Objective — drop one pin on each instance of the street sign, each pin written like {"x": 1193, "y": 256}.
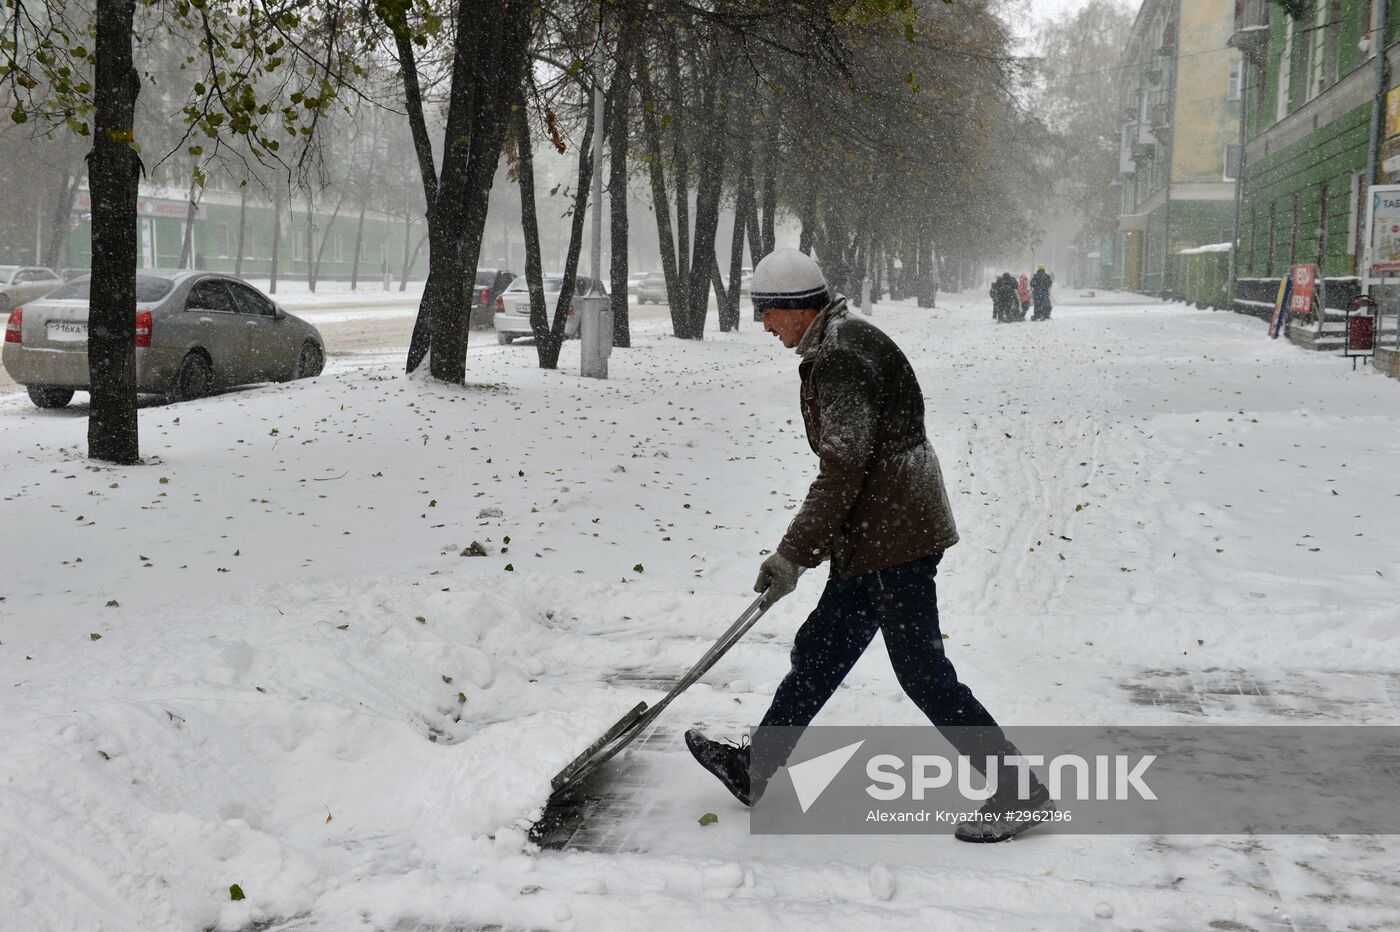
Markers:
{"x": 1303, "y": 278}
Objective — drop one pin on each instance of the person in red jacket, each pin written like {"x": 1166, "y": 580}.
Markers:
{"x": 1023, "y": 292}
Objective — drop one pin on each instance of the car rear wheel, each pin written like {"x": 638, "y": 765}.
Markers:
{"x": 503, "y": 338}
{"x": 310, "y": 362}
{"x": 194, "y": 379}
{"x": 46, "y": 397}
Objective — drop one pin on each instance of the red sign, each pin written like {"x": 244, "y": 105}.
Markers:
{"x": 1361, "y": 333}
{"x": 1303, "y": 277}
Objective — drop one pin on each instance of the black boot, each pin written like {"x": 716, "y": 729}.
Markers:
{"x": 728, "y": 762}
{"x": 1005, "y": 816}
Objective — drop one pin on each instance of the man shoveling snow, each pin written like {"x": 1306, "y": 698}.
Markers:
{"x": 878, "y": 511}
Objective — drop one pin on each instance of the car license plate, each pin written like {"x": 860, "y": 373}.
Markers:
{"x": 67, "y": 331}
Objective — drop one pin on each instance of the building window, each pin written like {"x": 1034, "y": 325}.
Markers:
{"x": 1235, "y": 83}
{"x": 1297, "y": 219}
{"x": 1284, "y": 72}
{"x": 336, "y": 251}
{"x": 1232, "y": 161}
{"x": 1356, "y": 211}
{"x": 1273, "y": 237}
{"x": 1253, "y": 235}
{"x": 297, "y": 249}
{"x": 1316, "y": 67}
{"x": 221, "y": 240}
{"x": 1332, "y": 51}
{"x": 1322, "y": 230}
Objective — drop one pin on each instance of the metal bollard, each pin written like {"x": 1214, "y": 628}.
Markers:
{"x": 595, "y": 332}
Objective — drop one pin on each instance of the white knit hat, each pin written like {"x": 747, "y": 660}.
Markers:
{"x": 788, "y": 279}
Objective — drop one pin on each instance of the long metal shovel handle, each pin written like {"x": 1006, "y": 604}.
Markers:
{"x": 727, "y": 640}
{"x": 631, "y": 725}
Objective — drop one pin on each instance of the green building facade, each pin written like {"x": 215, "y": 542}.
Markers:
{"x": 388, "y": 246}
{"x": 1310, "y": 92}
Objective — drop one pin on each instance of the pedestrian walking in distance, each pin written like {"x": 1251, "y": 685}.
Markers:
{"x": 1023, "y": 294}
{"x": 1040, "y": 293}
{"x": 879, "y": 514}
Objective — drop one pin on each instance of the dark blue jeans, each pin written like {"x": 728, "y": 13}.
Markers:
{"x": 902, "y": 602}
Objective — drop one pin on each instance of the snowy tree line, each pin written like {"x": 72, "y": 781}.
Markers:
{"x": 888, "y": 128}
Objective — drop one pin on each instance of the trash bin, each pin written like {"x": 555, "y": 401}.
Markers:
{"x": 595, "y": 334}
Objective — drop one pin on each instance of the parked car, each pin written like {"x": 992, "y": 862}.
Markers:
{"x": 490, "y": 284}
{"x": 652, "y": 289}
{"x": 20, "y": 284}
{"x": 513, "y": 307}
{"x": 195, "y": 332}
{"x": 634, "y": 280}
{"x": 745, "y": 277}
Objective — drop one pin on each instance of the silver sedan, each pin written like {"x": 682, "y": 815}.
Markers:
{"x": 20, "y": 283}
{"x": 196, "y": 332}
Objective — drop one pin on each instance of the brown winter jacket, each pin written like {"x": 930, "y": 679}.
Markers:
{"x": 878, "y": 499}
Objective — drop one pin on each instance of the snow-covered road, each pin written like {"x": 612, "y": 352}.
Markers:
{"x": 261, "y": 659}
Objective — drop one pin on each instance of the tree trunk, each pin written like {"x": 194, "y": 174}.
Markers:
{"x": 661, "y": 205}
{"x": 407, "y": 238}
{"x": 187, "y": 241}
{"x": 62, "y": 213}
{"x": 487, "y": 67}
{"x": 242, "y": 228}
{"x": 359, "y": 242}
{"x": 310, "y": 245}
{"x": 585, "y": 179}
{"x": 809, "y": 220}
{"x": 546, "y": 343}
{"x": 717, "y": 283}
{"x": 618, "y": 112}
{"x": 770, "y": 183}
{"x": 729, "y": 310}
{"x": 711, "y": 173}
{"x": 315, "y": 269}
{"x": 729, "y": 318}
{"x": 276, "y": 236}
{"x": 114, "y": 169}
{"x": 681, "y": 156}
{"x": 755, "y": 234}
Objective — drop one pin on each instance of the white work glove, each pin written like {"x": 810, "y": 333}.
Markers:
{"x": 776, "y": 578}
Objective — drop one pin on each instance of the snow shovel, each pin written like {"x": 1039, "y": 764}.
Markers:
{"x": 626, "y": 729}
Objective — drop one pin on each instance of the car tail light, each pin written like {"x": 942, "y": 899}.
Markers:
{"x": 143, "y": 328}
{"x": 485, "y": 296}
{"x": 500, "y": 305}
{"x": 13, "y": 334}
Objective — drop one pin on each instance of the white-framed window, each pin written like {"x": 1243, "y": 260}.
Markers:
{"x": 297, "y": 246}
{"x": 1285, "y": 71}
{"x": 1232, "y": 161}
{"x": 1234, "y": 85}
{"x": 1317, "y": 50}
{"x": 221, "y": 240}
{"x": 336, "y": 251}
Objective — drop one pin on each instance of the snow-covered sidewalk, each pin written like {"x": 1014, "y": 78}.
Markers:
{"x": 263, "y": 660}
